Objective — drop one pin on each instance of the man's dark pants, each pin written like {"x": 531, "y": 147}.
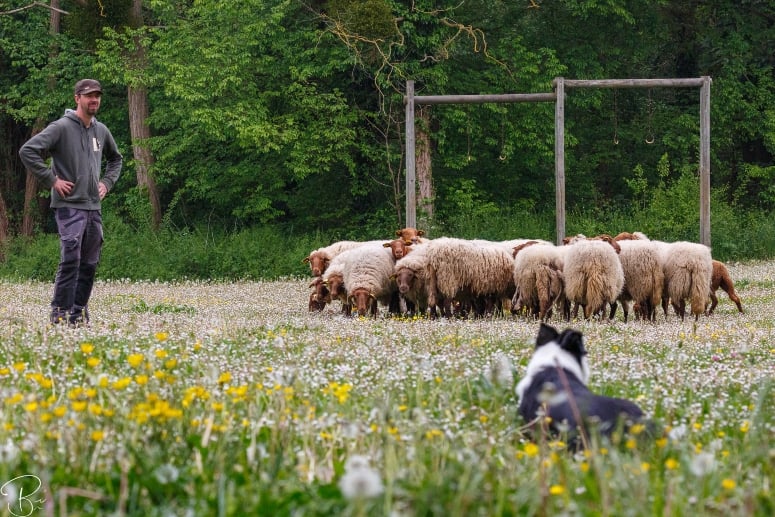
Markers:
{"x": 80, "y": 240}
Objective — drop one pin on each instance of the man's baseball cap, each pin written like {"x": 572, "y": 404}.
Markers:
{"x": 87, "y": 86}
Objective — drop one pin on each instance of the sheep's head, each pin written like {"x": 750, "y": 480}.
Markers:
{"x": 320, "y": 294}
{"x": 363, "y": 300}
{"x": 398, "y": 248}
{"x": 318, "y": 262}
{"x": 404, "y": 279}
{"x": 335, "y": 285}
{"x": 410, "y": 235}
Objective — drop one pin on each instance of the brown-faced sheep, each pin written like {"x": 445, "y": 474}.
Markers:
{"x": 398, "y": 248}
{"x": 593, "y": 275}
{"x": 319, "y": 295}
{"x": 333, "y": 280}
{"x": 368, "y": 279}
{"x": 411, "y": 274}
{"x": 721, "y": 278}
{"x": 411, "y": 235}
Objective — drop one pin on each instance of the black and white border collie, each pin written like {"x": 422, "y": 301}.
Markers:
{"x": 555, "y": 386}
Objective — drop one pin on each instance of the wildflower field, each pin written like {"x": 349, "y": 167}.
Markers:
{"x": 231, "y": 399}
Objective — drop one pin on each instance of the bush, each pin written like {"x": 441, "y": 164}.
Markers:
{"x": 272, "y": 252}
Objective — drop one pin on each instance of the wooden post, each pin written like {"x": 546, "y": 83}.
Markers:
{"x": 705, "y": 161}
{"x": 411, "y": 209}
{"x": 560, "y": 84}
{"x": 559, "y": 157}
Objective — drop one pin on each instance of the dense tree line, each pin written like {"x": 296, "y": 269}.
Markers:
{"x": 291, "y": 111}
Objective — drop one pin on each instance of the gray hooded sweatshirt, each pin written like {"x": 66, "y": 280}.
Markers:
{"x": 76, "y": 153}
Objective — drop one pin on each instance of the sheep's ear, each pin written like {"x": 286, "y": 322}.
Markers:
{"x": 573, "y": 342}
{"x": 305, "y": 260}
{"x": 420, "y": 233}
{"x": 386, "y": 244}
{"x": 398, "y": 233}
{"x": 546, "y": 334}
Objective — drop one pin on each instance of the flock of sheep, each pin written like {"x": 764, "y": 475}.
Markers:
{"x": 450, "y": 276}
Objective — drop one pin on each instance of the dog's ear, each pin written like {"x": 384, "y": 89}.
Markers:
{"x": 572, "y": 341}
{"x": 546, "y": 334}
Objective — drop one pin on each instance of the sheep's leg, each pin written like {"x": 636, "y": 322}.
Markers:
{"x": 713, "y": 303}
{"x": 566, "y": 310}
{"x": 680, "y": 308}
{"x": 613, "y": 306}
{"x": 447, "y": 307}
{"x": 729, "y": 288}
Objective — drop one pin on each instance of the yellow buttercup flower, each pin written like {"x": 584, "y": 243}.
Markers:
{"x": 135, "y": 360}
{"x": 556, "y": 489}
{"x": 531, "y": 449}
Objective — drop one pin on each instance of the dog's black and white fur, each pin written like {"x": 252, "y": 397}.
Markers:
{"x": 555, "y": 386}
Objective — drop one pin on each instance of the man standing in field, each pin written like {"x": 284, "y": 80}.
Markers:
{"x": 77, "y": 142}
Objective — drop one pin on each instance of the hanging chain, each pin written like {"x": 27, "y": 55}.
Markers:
{"x": 616, "y": 122}
{"x": 650, "y": 130}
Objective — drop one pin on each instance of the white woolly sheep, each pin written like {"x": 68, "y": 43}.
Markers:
{"x": 644, "y": 277}
{"x": 367, "y": 279}
{"x": 464, "y": 271}
{"x": 688, "y": 268}
{"x": 320, "y": 258}
{"x": 593, "y": 275}
{"x": 535, "y": 284}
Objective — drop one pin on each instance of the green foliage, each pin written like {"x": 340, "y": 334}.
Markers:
{"x": 466, "y": 205}
{"x": 291, "y": 114}
{"x": 34, "y": 259}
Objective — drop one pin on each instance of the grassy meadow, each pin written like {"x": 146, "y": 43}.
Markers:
{"x": 199, "y": 398}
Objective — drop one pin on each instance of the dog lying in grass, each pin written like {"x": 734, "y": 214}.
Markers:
{"x": 554, "y": 398}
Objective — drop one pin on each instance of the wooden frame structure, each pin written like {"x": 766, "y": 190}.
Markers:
{"x": 560, "y": 84}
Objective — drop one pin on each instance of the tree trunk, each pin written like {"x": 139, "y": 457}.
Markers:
{"x": 140, "y": 132}
{"x": 137, "y": 97}
{"x": 3, "y": 227}
{"x": 423, "y": 167}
